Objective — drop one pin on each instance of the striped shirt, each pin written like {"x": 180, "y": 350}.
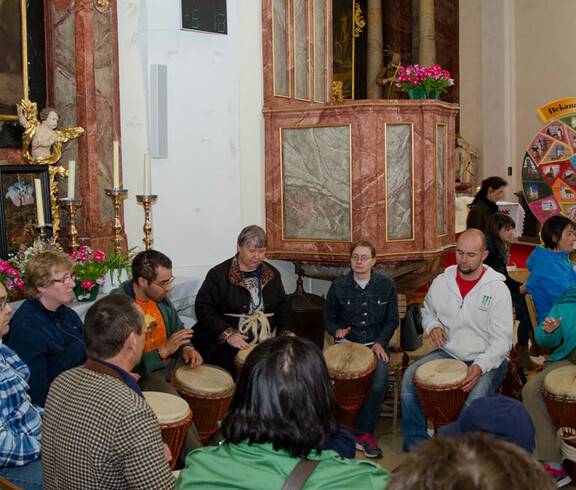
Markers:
{"x": 20, "y": 420}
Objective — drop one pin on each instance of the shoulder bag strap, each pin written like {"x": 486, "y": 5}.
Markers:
{"x": 300, "y": 474}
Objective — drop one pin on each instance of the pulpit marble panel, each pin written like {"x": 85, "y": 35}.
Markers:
{"x": 320, "y": 79}
{"x": 301, "y": 48}
{"x": 281, "y": 85}
{"x": 316, "y": 176}
{"x": 441, "y": 178}
{"x": 399, "y": 188}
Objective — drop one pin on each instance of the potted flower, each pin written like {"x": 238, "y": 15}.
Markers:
{"x": 118, "y": 268}
{"x": 10, "y": 277}
{"x": 424, "y": 82}
{"x": 89, "y": 269}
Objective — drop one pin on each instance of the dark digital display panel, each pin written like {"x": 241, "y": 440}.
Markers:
{"x": 205, "y": 15}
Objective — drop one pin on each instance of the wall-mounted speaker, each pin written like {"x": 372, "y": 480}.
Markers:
{"x": 158, "y": 111}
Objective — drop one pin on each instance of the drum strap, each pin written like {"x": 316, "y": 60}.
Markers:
{"x": 257, "y": 324}
{"x": 300, "y": 474}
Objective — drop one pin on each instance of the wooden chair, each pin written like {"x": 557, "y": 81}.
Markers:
{"x": 396, "y": 366}
{"x": 6, "y": 485}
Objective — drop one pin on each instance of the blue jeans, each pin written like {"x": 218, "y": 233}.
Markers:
{"x": 413, "y": 420}
{"x": 372, "y": 405}
{"x": 28, "y": 476}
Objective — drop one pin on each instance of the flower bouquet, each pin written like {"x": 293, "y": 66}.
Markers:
{"x": 18, "y": 260}
{"x": 118, "y": 268}
{"x": 429, "y": 81}
{"x": 10, "y": 277}
{"x": 89, "y": 269}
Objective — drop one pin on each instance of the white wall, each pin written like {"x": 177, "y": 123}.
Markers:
{"x": 198, "y": 215}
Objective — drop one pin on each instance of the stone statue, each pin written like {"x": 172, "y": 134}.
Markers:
{"x": 388, "y": 76}
{"x": 464, "y": 166}
{"x": 42, "y": 145}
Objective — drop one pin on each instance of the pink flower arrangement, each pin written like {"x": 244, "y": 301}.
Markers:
{"x": 431, "y": 78}
{"x": 10, "y": 277}
{"x": 89, "y": 268}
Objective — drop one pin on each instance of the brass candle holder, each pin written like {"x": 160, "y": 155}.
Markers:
{"x": 42, "y": 230}
{"x": 71, "y": 205}
{"x": 147, "y": 200}
{"x": 117, "y": 195}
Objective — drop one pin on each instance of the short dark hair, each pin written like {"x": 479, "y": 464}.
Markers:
{"x": 363, "y": 243}
{"x": 284, "y": 397}
{"x": 108, "y": 324}
{"x": 146, "y": 264}
{"x": 494, "y": 182}
{"x": 253, "y": 235}
{"x": 473, "y": 461}
{"x": 552, "y": 230}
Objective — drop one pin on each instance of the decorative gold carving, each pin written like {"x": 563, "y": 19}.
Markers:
{"x": 103, "y": 3}
{"x": 42, "y": 145}
{"x": 337, "y": 91}
{"x": 359, "y": 22}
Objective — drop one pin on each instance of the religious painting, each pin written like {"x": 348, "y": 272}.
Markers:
{"x": 343, "y": 25}
{"x": 18, "y": 205}
{"x": 13, "y": 58}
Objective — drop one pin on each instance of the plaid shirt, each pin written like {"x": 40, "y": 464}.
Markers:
{"x": 20, "y": 421}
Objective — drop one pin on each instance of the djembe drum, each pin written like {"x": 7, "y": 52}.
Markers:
{"x": 350, "y": 367}
{"x": 208, "y": 390}
{"x": 240, "y": 358}
{"x": 559, "y": 390}
{"x": 439, "y": 387}
{"x": 174, "y": 416}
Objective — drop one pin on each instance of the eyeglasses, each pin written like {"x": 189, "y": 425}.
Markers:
{"x": 364, "y": 258}
{"x": 164, "y": 284}
{"x": 65, "y": 280}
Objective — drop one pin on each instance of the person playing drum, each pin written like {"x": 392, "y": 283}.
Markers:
{"x": 468, "y": 316}
{"x": 557, "y": 330}
{"x": 362, "y": 307}
{"x": 241, "y": 302}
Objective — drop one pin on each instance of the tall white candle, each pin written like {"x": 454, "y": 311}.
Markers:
{"x": 71, "y": 179}
{"x": 39, "y": 202}
{"x": 147, "y": 187}
{"x": 116, "y": 165}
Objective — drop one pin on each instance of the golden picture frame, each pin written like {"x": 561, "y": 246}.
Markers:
{"x": 13, "y": 58}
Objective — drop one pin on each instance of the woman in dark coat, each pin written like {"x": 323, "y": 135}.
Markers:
{"x": 484, "y": 204}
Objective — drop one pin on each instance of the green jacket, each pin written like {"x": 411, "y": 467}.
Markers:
{"x": 259, "y": 466}
{"x": 151, "y": 360}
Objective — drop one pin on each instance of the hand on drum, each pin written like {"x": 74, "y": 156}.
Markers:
{"x": 176, "y": 340}
{"x": 551, "y": 324}
{"x": 437, "y": 337}
{"x": 167, "y": 453}
{"x": 239, "y": 341}
{"x": 191, "y": 356}
{"x": 341, "y": 333}
{"x": 380, "y": 352}
{"x": 473, "y": 375}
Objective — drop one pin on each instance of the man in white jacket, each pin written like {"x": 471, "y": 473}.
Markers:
{"x": 467, "y": 315}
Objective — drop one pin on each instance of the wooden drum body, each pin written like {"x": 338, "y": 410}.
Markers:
{"x": 350, "y": 367}
{"x": 439, "y": 387}
{"x": 208, "y": 390}
{"x": 559, "y": 390}
{"x": 174, "y": 416}
{"x": 241, "y": 356}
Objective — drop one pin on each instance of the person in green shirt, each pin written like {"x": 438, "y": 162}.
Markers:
{"x": 283, "y": 410}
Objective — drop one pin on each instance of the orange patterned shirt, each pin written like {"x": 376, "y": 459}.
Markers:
{"x": 155, "y": 327}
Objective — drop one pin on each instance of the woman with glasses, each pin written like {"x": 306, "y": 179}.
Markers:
{"x": 46, "y": 334}
{"x": 362, "y": 307}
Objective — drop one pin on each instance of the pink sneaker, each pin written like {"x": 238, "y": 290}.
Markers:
{"x": 367, "y": 443}
{"x": 560, "y": 476}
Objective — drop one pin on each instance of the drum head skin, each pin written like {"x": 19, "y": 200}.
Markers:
{"x": 204, "y": 379}
{"x": 561, "y": 382}
{"x": 168, "y": 408}
{"x": 243, "y": 354}
{"x": 348, "y": 358}
{"x": 441, "y": 372}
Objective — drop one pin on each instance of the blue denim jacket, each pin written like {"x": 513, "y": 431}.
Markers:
{"x": 372, "y": 312}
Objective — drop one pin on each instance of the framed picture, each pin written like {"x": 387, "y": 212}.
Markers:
{"x": 13, "y": 58}
{"x": 18, "y": 205}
